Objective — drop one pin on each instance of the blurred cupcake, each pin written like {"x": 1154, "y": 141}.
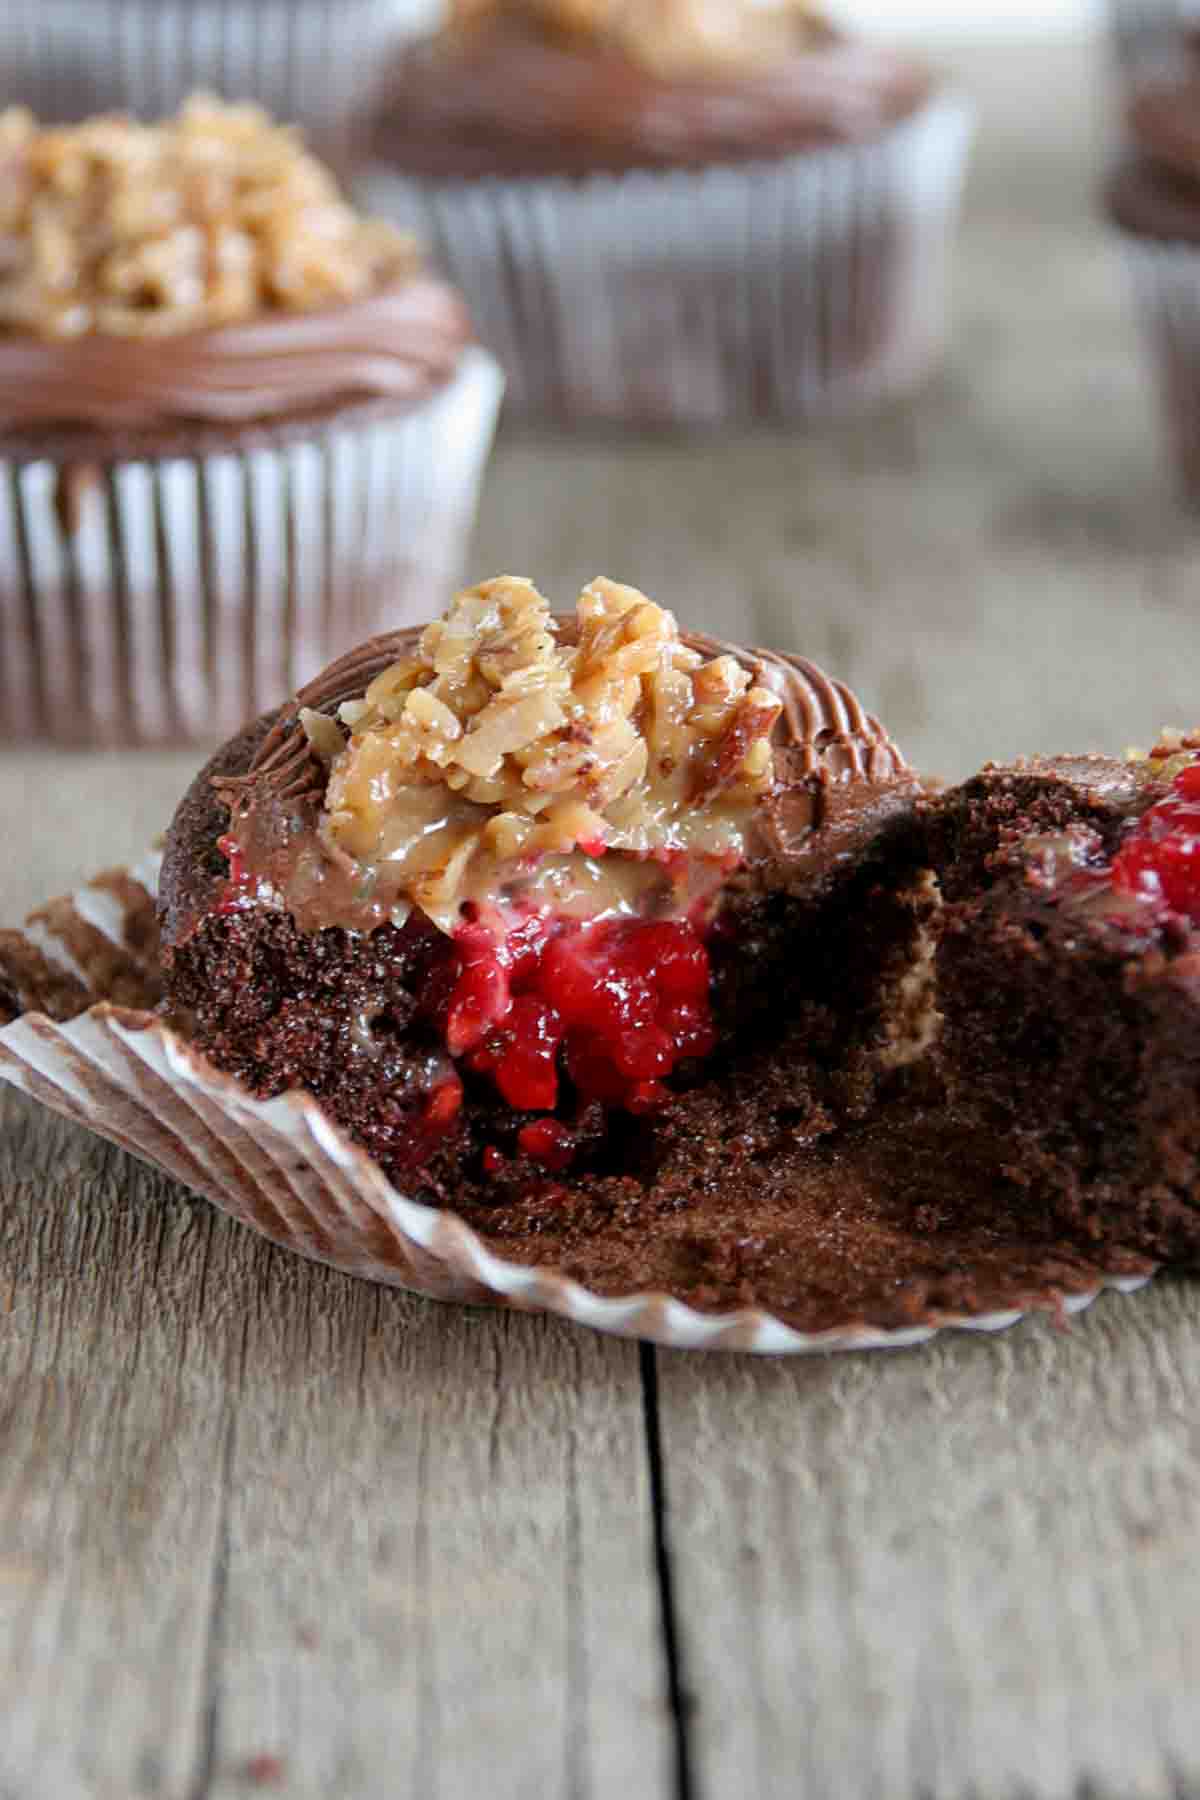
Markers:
{"x": 238, "y": 424}
{"x": 1153, "y": 196}
{"x": 678, "y": 212}
{"x": 311, "y": 62}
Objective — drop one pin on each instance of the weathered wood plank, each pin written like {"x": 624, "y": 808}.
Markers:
{"x": 114, "y": 1405}
{"x": 968, "y": 1570}
{"x": 439, "y": 1571}
{"x": 260, "y": 1520}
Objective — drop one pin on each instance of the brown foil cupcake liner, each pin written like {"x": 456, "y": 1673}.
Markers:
{"x": 314, "y": 62}
{"x": 168, "y": 598}
{"x": 785, "y": 290}
{"x": 91, "y": 1048}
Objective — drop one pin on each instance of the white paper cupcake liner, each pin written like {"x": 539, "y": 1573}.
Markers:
{"x": 314, "y": 62}
{"x": 784, "y": 290}
{"x": 1147, "y": 33}
{"x": 284, "y": 1168}
{"x": 1166, "y": 279}
{"x": 175, "y": 597}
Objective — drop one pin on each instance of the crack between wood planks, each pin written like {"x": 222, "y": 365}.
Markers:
{"x": 678, "y": 1697}
{"x": 576, "y": 1748}
{"x": 426, "y": 1746}
{"x": 200, "y": 1786}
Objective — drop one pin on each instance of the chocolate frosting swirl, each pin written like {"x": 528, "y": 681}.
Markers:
{"x": 824, "y": 728}
{"x": 1155, "y": 188}
{"x": 395, "y": 346}
{"x": 510, "y": 103}
{"x": 1164, "y": 121}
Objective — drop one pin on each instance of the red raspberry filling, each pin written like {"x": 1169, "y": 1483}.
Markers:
{"x": 613, "y": 1007}
{"x": 1160, "y": 860}
{"x": 239, "y": 888}
{"x": 415, "y": 1131}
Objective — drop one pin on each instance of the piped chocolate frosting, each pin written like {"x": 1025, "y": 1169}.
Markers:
{"x": 509, "y": 103}
{"x": 396, "y": 347}
{"x": 824, "y": 728}
{"x": 1154, "y": 190}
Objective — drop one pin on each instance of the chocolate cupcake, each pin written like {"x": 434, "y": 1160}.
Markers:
{"x": 547, "y": 914}
{"x": 239, "y": 425}
{"x": 679, "y": 214}
{"x": 651, "y": 960}
{"x": 1153, "y": 196}
{"x": 578, "y": 963}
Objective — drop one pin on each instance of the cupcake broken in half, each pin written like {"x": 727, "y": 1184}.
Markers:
{"x": 651, "y": 959}
{"x": 557, "y": 915}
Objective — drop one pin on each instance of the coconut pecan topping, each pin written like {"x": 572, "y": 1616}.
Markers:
{"x": 503, "y": 739}
{"x": 208, "y": 219}
{"x": 668, "y": 35}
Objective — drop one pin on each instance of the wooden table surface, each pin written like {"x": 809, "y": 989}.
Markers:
{"x": 266, "y": 1529}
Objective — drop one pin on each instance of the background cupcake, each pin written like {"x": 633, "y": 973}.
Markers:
{"x": 238, "y": 424}
{"x": 678, "y": 213}
{"x": 1153, "y": 196}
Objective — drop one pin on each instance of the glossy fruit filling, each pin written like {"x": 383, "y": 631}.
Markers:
{"x": 549, "y": 1009}
{"x": 1160, "y": 859}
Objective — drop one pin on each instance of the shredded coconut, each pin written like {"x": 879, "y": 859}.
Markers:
{"x": 670, "y": 35}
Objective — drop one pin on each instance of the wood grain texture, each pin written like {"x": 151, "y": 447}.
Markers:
{"x": 258, "y": 1520}
{"x": 968, "y": 1570}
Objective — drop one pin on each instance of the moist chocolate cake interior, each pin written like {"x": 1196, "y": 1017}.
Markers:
{"x": 1070, "y": 1031}
{"x": 790, "y": 1174}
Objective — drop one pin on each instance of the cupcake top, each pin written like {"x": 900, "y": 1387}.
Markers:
{"x": 211, "y": 218}
{"x": 671, "y": 36}
{"x": 517, "y": 87}
{"x": 600, "y": 764}
{"x": 202, "y": 267}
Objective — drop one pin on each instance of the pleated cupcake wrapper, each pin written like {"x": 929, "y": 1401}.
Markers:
{"x": 1166, "y": 280}
{"x": 176, "y": 597}
{"x": 789, "y": 290}
{"x": 315, "y": 62}
{"x": 284, "y": 1168}
{"x": 1147, "y": 34}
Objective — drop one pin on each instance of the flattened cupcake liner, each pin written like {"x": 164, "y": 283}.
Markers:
{"x": 314, "y": 62}
{"x": 1167, "y": 286}
{"x": 173, "y": 597}
{"x": 284, "y": 1168}
{"x": 784, "y": 290}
